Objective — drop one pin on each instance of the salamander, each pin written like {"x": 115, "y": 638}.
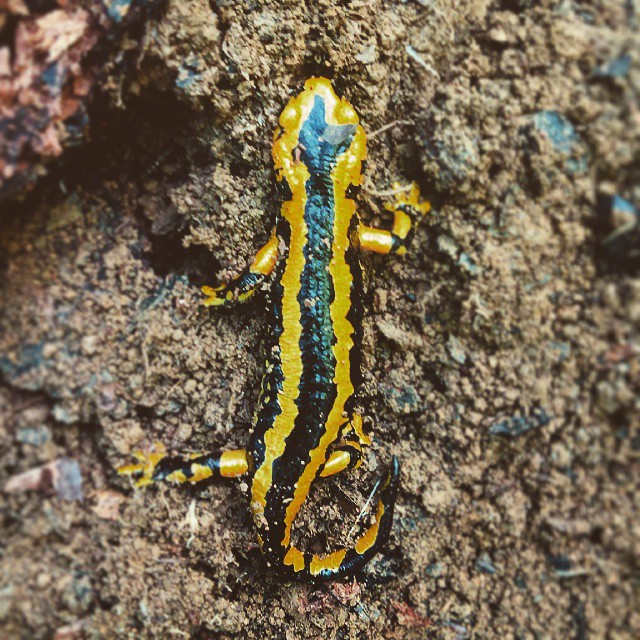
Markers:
{"x": 306, "y": 425}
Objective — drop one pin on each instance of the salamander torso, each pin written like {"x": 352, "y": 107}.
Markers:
{"x": 305, "y": 425}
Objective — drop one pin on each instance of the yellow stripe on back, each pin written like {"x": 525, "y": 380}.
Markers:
{"x": 296, "y": 174}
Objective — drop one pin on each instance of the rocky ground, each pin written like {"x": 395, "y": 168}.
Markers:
{"x": 501, "y": 355}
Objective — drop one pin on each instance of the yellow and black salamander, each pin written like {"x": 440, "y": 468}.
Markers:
{"x": 306, "y": 425}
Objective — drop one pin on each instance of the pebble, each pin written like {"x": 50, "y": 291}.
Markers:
{"x": 63, "y": 414}
{"x": 616, "y": 68}
{"x": 606, "y": 397}
{"x": 484, "y": 564}
{"x": 517, "y": 425}
{"x": 35, "y": 436}
{"x": 455, "y": 350}
{"x": 88, "y": 345}
{"x": 184, "y": 431}
{"x": 561, "y": 455}
{"x": 367, "y": 54}
{"x": 49, "y": 350}
{"x": 611, "y": 297}
{"x": 43, "y": 580}
{"x": 498, "y": 35}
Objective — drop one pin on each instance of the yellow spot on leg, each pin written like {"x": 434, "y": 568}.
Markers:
{"x": 212, "y": 299}
{"x": 148, "y": 460}
{"x": 338, "y": 461}
{"x": 200, "y": 472}
{"x": 377, "y": 240}
{"x": 410, "y": 199}
{"x": 234, "y": 463}
{"x": 267, "y": 257}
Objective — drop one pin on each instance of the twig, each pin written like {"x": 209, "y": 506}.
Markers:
{"x": 386, "y": 127}
{"x": 365, "y": 507}
{"x": 423, "y": 63}
{"x": 389, "y": 192}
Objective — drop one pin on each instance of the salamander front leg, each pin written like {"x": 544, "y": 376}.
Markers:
{"x": 157, "y": 466}
{"x": 247, "y": 283}
{"x": 406, "y": 209}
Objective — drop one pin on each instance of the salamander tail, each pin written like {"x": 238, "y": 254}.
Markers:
{"x": 307, "y": 566}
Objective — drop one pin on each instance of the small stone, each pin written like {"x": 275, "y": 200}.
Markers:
{"x": 498, "y": 34}
{"x": 184, "y": 431}
{"x": 616, "y": 68}
{"x": 68, "y": 484}
{"x": 633, "y": 312}
{"x": 190, "y": 387}
{"x": 401, "y": 400}
{"x": 611, "y": 297}
{"x": 63, "y": 475}
{"x": 516, "y": 425}
{"x": 88, "y": 345}
{"x": 606, "y": 397}
{"x": 623, "y": 214}
{"x": 64, "y": 415}
{"x": 49, "y": 350}
{"x": 34, "y": 436}
{"x": 34, "y": 416}
{"x": 561, "y": 455}
{"x": 43, "y": 580}
{"x": 455, "y": 350}
{"x": 78, "y": 595}
{"x": 448, "y": 245}
{"x": 367, "y": 54}
{"x": 484, "y": 564}
{"x": 468, "y": 264}
{"x": 107, "y": 504}
{"x": 563, "y": 137}
{"x": 178, "y": 335}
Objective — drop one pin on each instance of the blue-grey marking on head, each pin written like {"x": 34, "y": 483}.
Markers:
{"x": 321, "y": 143}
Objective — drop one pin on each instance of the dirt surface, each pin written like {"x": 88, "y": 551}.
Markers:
{"x": 501, "y": 356}
{"x": 54, "y": 55}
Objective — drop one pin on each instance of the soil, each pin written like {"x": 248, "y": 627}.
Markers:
{"x": 501, "y": 357}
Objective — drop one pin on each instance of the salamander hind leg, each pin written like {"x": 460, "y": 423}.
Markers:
{"x": 249, "y": 281}
{"x": 347, "y": 453}
{"x": 157, "y": 466}
{"x": 407, "y": 208}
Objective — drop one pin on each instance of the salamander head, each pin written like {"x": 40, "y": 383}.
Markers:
{"x": 317, "y": 127}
